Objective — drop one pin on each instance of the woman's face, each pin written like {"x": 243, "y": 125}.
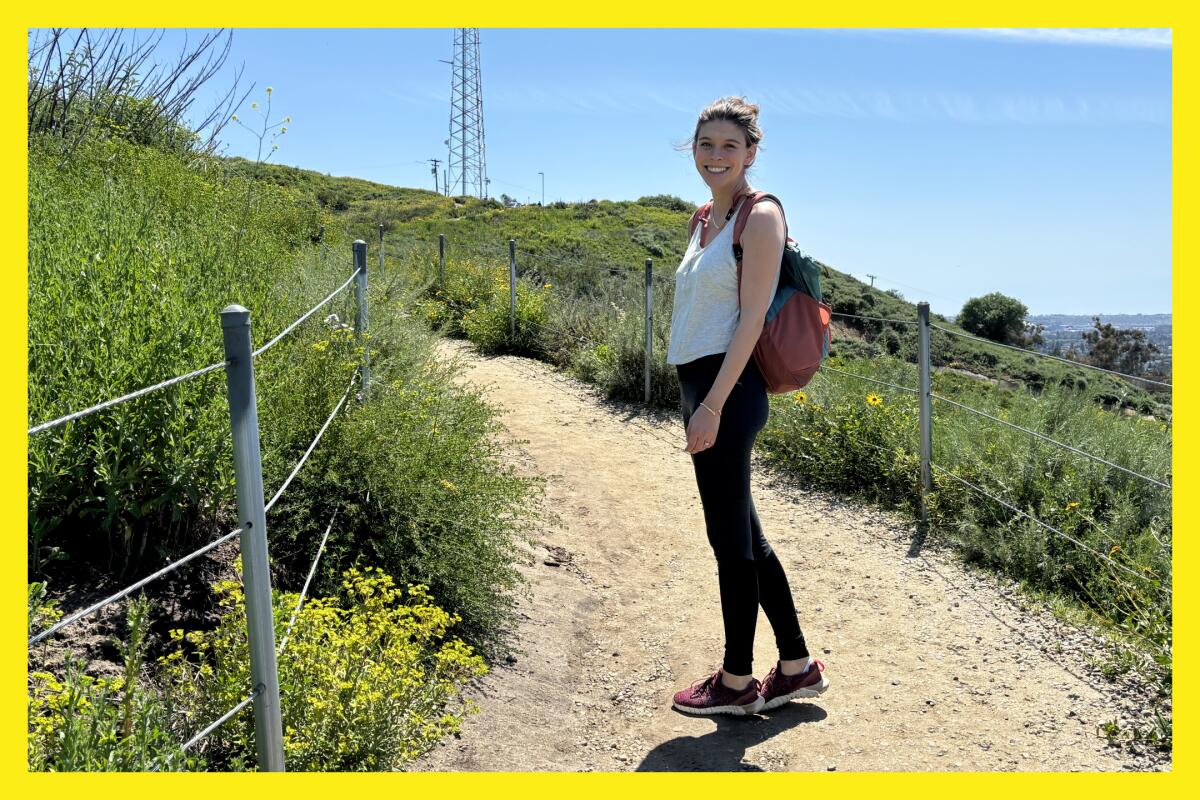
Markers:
{"x": 721, "y": 154}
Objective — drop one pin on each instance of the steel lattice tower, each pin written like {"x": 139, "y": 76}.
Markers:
{"x": 467, "y": 172}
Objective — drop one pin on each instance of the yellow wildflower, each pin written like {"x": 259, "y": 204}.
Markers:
{"x": 254, "y": 105}
{"x": 1115, "y": 549}
{"x": 799, "y": 396}
{"x": 269, "y": 90}
{"x": 448, "y": 484}
{"x": 547, "y": 286}
{"x": 1071, "y": 506}
{"x": 874, "y": 399}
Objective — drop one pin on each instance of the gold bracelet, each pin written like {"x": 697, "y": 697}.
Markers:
{"x": 714, "y": 413}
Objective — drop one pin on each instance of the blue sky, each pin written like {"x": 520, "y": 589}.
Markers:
{"x": 948, "y": 164}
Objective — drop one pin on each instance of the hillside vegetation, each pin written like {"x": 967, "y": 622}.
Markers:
{"x": 133, "y": 252}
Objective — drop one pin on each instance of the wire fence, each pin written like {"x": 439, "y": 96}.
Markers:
{"x": 264, "y": 695}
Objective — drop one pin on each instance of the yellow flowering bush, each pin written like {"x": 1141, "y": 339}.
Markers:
{"x": 366, "y": 678}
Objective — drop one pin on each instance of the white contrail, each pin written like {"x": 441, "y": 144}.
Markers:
{"x": 1155, "y": 38}
{"x": 1158, "y": 38}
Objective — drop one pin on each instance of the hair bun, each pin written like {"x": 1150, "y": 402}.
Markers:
{"x": 736, "y": 109}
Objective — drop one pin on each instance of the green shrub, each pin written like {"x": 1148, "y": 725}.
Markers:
{"x": 419, "y": 478}
{"x": 131, "y": 257}
{"x": 490, "y": 324}
{"x": 846, "y": 438}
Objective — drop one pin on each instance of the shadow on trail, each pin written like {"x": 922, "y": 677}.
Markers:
{"x": 723, "y": 749}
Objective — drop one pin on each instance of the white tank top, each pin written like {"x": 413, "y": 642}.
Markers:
{"x": 706, "y": 310}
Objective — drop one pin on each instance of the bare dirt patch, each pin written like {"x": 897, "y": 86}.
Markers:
{"x": 932, "y": 666}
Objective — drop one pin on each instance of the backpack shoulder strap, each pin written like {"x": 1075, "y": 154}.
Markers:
{"x": 743, "y": 216}
{"x": 696, "y": 216}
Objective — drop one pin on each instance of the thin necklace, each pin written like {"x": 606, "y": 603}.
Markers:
{"x": 728, "y": 214}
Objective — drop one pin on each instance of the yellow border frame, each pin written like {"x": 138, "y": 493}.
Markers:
{"x": 614, "y": 13}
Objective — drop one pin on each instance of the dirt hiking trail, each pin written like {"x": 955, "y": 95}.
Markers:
{"x": 931, "y": 666}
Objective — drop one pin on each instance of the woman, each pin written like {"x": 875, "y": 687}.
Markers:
{"x": 724, "y": 404}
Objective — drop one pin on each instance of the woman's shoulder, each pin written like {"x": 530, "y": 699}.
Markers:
{"x": 765, "y": 214}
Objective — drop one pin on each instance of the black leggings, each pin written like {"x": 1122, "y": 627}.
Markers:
{"x": 748, "y": 570}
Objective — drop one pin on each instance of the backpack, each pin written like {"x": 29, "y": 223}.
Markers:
{"x": 795, "y": 336}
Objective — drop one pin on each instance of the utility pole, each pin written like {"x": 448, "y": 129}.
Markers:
{"x": 435, "y": 163}
{"x": 543, "y": 188}
{"x": 872, "y": 277}
{"x": 467, "y": 170}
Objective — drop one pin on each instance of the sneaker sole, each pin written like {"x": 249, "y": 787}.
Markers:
{"x": 807, "y": 691}
{"x": 737, "y": 711}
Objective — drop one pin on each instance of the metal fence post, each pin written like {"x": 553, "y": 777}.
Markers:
{"x": 247, "y": 465}
{"x": 649, "y": 321}
{"x": 360, "y": 320}
{"x": 926, "y": 397}
{"x": 381, "y": 250}
{"x": 512, "y": 288}
{"x": 442, "y": 261}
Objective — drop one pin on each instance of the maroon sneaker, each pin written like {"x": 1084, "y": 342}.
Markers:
{"x": 710, "y": 696}
{"x": 778, "y": 688}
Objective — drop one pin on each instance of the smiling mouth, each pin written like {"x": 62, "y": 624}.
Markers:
{"x": 716, "y": 170}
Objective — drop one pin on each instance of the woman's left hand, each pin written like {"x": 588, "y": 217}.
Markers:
{"x": 702, "y": 430}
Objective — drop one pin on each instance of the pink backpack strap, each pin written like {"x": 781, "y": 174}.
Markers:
{"x": 743, "y": 216}
{"x": 696, "y": 216}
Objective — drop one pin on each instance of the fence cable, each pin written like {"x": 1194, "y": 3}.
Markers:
{"x": 890, "y": 451}
{"x": 228, "y": 715}
{"x": 304, "y": 591}
{"x": 312, "y": 446}
{"x": 1162, "y": 587}
{"x": 1047, "y": 355}
{"x": 875, "y": 319}
{"x": 45, "y": 426}
{"x": 575, "y": 336}
{"x": 865, "y": 378}
{"x": 306, "y": 315}
{"x": 1083, "y": 453}
{"x": 113, "y": 598}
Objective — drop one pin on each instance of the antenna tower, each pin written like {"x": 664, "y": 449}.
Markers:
{"x": 467, "y": 172}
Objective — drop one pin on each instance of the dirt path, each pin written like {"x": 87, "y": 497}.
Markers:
{"x": 932, "y": 667}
